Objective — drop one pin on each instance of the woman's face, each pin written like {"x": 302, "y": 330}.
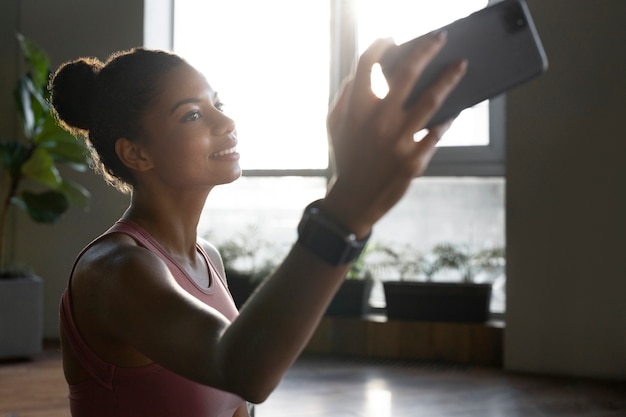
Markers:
{"x": 191, "y": 142}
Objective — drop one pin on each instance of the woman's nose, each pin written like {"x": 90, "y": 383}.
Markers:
{"x": 222, "y": 124}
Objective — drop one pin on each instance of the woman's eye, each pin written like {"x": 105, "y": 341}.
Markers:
{"x": 191, "y": 116}
{"x": 219, "y": 106}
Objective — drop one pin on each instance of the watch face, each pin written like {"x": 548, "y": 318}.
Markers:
{"x": 327, "y": 239}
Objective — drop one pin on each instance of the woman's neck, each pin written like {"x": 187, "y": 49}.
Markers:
{"x": 171, "y": 220}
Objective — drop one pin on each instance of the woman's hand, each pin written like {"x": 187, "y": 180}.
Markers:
{"x": 373, "y": 150}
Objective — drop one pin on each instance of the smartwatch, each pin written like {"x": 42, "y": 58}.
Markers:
{"x": 327, "y": 238}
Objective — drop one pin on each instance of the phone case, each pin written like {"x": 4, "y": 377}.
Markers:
{"x": 503, "y": 50}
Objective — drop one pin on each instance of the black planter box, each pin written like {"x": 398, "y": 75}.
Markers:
{"x": 352, "y": 298}
{"x": 450, "y": 302}
{"x": 241, "y": 287}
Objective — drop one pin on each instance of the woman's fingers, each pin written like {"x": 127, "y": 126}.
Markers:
{"x": 424, "y": 149}
{"x": 413, "y": 62}
{"x": 372, "y": 149}
{"x": 431, "y": 100}
{"x": 362, "y": 91}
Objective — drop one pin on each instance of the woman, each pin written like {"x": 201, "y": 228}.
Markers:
{"x": 147, "y": 325}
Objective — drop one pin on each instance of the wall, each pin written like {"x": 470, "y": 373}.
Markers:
{"x": 66, "y": 29}
{"x": 566, "y": 205}
{"x": 8, "y": 67}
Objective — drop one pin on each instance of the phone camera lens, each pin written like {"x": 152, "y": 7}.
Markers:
{"x": 513, "y": 18}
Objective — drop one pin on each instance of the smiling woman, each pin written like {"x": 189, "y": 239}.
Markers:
{"x": 155, "y": 128}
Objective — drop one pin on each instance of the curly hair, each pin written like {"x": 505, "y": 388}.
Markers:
{"x": 103, "y": 102}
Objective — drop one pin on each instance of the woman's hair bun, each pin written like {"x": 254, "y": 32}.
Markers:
{"x": 72, "y": 90}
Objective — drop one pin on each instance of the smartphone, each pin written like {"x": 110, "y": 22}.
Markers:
{"x": 502, "y": 48}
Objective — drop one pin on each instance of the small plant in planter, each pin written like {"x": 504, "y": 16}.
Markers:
{"x": 247, "y": 259}
{"x": 463, "y": 301}
{"x": 377, "y": 260}
{"x": 33, "y": 182}
{"x": 405, "y": 261}
{"x": 468, "y": 264}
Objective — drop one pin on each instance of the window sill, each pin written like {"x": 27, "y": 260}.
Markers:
{"x": 374, "y": 336}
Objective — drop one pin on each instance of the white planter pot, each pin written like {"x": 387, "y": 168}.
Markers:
{"x": 21, "y": 317}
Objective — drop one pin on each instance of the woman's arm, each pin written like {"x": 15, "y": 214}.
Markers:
{"x": 375, "y": 158}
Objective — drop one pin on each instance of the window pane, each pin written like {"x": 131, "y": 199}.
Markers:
{"x": 404, "y": 20}
{"x": 271, "y": 206}
{"x": 269, "y": 60}
{"x": 464, "y": 211}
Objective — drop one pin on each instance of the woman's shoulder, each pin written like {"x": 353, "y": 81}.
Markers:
{"x": 114, "y": 283}
{"x": 113, "y": 258}
{"x": 110, "y": 249}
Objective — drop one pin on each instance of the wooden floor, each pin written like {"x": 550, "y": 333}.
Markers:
{"x": 338, "y": 387}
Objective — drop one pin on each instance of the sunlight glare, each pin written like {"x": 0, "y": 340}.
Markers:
{"x": 380, "y": 88}
{"x": 378, "y": 399}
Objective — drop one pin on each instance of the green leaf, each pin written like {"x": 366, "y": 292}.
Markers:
{"x": 32, "y": 106}
{"x": 45, "y": 207}
{"x": 38, "y": 61}
{"x": 13, "y": 154}
{"x": 23, "y": 100}
{"x": 75, "y": 193}
{"x": 40, "y": 167}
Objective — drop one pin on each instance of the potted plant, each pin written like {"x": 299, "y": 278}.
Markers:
{"x": 463, "y": 300}
{"x": 247, "y": 259}
{"x": 32, "y": 182}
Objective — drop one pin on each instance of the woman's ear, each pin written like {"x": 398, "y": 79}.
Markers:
{"x": 132, "y": 155}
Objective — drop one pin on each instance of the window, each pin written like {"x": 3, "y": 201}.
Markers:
{"x": 276, "y": 63}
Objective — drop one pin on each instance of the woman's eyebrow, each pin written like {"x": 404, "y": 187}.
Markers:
{"x": 184, "y": 101}
{"x": 215, "y": 97}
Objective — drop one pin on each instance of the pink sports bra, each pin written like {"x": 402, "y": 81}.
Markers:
{"x": 150, "y": 390}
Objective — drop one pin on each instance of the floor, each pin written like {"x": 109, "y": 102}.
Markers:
{"x": 339, "y": 387}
